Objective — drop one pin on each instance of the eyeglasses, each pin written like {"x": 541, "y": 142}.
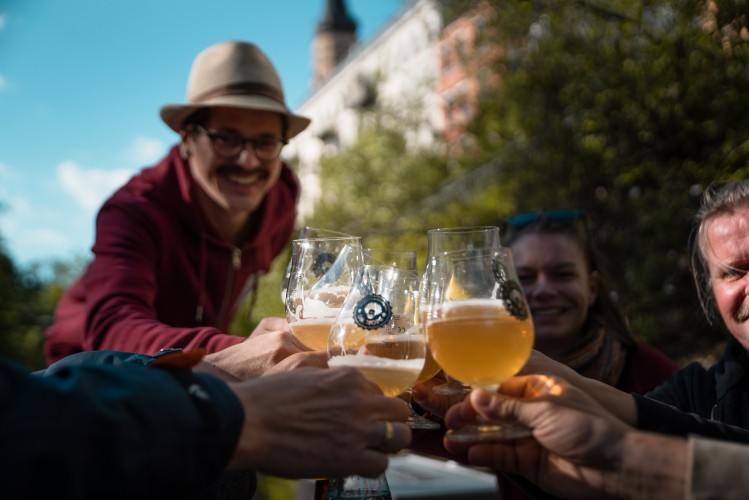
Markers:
{"x": 266, "y": 148}
{"x": 558, "y": 215}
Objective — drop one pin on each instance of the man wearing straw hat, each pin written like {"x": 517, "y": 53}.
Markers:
{"x": 183, "y": 242}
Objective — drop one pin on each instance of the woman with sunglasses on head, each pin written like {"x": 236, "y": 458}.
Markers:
{"x": 576, "y": 320}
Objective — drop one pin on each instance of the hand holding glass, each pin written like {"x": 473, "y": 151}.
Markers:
{"x": 377, "y": 332}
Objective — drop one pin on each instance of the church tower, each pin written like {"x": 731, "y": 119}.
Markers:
{"x": 335, "y": 35}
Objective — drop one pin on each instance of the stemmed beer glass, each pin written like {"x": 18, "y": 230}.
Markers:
{"x": 322, "y": 271}
{"x": 307, "y": 232}
{"x": 406, "y": 260}
{"x": 482, "y": 332}
{"x": 377, "y": 332}
{"x": 441, "y": 243}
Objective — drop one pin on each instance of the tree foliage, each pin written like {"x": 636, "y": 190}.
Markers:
{"x": 28, "y": 297}
{"x": 21, "y": 315}
{"x": 626, "y": 109}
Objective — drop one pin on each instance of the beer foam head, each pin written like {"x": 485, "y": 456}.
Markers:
{"x": 325, "y": 303}
{"x": 314, "y": 321}
{"x": 318, "y": 309}
{"x": 363, "y": 361}
{"x": 472, "y": 307}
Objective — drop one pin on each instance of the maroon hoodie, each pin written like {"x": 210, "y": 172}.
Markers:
{"x": 161, "y": 277}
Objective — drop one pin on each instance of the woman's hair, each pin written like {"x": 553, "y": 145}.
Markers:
{"x": 604, "y": 312}
{"x": 719, "y": 198}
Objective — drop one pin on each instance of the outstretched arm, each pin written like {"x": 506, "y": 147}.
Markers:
{"x": 621, "y": 404}
{"x": 89, "y": 427}
{"x": 578, "y": 448}
{"x": 617, "y": 402}
{"x": 337, "y": 416}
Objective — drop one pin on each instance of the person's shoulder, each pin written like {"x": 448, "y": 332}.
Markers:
{"x": 287, "y": 184}
{"x": 645, "y": 353}
{"x": 158, "y": 177}
{"x": 645, "y": 369}
{"x": 147, "y": 189}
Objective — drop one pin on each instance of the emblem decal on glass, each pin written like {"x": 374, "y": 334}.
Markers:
{"x": 509, "y": 291}
{"x": 372, "y": 312}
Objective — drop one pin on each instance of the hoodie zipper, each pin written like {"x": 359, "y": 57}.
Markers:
{"x": 234, "y": 265}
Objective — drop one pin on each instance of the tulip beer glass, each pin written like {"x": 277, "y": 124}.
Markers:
{"x": 481, "y": 332}
{"x": 322, "y": 271}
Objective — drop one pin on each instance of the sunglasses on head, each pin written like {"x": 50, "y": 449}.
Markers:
{"x": 556, "y": 215}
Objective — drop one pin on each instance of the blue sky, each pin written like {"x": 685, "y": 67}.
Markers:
{"x": 81, "y": 83}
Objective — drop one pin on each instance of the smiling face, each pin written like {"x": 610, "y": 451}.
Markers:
{"x": 726, "y": 244}
{"x": 231, "y": 188}
{"x": 558, "y": 286}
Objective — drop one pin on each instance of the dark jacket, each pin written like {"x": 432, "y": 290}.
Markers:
{"x": 113, "y": 429}
{"x": 716, "y": 400}
{"x": 161, "y": 277}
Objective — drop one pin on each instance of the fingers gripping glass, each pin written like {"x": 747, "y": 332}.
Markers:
{"x": 558, "y": 215}
{"x": 265, "y": 147}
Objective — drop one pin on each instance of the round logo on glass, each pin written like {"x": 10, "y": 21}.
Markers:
{"x": 509, "y": 291}
{"x": 372, "y": 311}
{"x": 323, "y": 262}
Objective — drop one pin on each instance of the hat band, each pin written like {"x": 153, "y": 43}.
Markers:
{"x": 242, "y": 89}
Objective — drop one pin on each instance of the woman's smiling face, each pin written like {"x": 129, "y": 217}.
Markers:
{"x": 558, "y": 285}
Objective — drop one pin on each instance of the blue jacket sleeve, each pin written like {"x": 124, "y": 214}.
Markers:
{"x": 113, "y": 431}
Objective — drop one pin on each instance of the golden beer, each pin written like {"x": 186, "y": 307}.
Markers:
{"x": 393, "y": 376}
{"x": 478, "y": 341}
{"x": 431, "y": 368}
{"x": 395, "y": 347}
{"x": 312, "y": 332}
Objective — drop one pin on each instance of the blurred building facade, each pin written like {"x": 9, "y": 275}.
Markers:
{"x": 465, "y": 55}
{"x": 417, "y": 64}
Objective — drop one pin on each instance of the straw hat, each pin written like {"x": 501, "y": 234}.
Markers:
{"x": 236, "y": 75}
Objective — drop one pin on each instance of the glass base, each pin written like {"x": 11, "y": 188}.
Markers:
{"x": 493, "y": 432}
{"x": 451, "y": 389}
{"x": 359, "y": 488}
{"x": 416, "y": 421}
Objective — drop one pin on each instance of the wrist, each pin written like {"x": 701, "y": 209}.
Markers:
{"x": 648, "y": 466}
{"x": 621, "y": 404}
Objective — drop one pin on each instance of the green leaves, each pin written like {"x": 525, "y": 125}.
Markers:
{"x": 625, "y": 110}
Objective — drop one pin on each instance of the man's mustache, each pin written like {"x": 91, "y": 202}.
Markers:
{"x": 231, "y": 169}
{"x": 742, "y": 314}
